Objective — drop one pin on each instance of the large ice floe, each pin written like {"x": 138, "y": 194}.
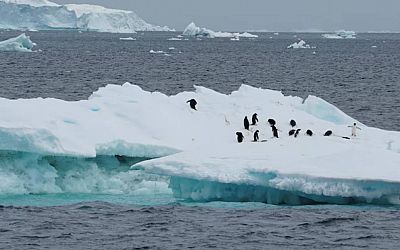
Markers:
{"x": 193, "y": 30}
{"x": 21, "y": 43}
{"x": 46, "y": 15}
{"x": 50, "y": 145}
{"x": 341, "y": 34}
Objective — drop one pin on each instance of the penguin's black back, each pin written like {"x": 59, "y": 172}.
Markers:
{"x": 272, "y": 122}
{"x": 291, "y": 132}
{"x": 309, "y": 132}
{"x": 328, "y": 133}
{"x": 292, "y": 123}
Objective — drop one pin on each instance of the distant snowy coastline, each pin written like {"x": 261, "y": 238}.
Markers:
{"x": 194, "y": 31}
{"x": 46, "y": 15}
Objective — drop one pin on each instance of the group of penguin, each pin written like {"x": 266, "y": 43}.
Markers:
{"x": 272, "y": 123}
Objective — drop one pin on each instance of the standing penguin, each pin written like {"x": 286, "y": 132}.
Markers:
{"x": 246, "y": 123}
{"x": 271, "y": 122}
{"x": 275, "y": 131}
{"x": 192, "y": 103}
{"x": 292, "y": 123}
{"x": 254, "y": 119}
{"x": 354, "y": 129}
{"x": 239, "y": 137}
{"x": 297, "y": 132}
{"x": 255, "y": 136}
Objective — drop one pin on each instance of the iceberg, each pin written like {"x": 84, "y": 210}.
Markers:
{"x": 21, "y": 43}
{"x": 51, "y": 145}
{"x": 127, "y": 39}
{"x": 194, "y": 31}
{"x": 341, "y": 34}
{"x": 301, "y": 44}
{"x": 46, "y": 15}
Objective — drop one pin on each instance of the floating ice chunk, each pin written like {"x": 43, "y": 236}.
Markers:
{"x": 21, "y": 43}
{"x": 373, "y": 46}
{"x": 276, "y": 33}
{"x": 156, "y": 52}
{"x": 127, "y": 39}
{"x": 171, "y": 48}
{"x": 341, "y": 34}
{"x": 193, "y": 30}
{"x": 174, "y": 39}
{"x": 299, "y": 45}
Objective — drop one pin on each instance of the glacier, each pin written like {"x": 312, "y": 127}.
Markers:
{"x": 193, "y": 30}
{"x": 21, "y": 43}
{"x": 46, "y": 15}
{"x": 123, "y": 139}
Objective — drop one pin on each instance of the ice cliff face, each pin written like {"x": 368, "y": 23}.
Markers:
{"x": 46, "y": 15}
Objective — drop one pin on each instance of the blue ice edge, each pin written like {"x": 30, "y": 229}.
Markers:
{"x": 317, "y": 191}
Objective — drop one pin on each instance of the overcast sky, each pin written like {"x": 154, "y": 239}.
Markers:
{"x": 279, "y": 15}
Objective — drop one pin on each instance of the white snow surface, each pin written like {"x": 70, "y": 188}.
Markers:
{"x": 46, "y": 15}
{"x": 21, "y": 43}
{"x": 193, "y": 30}
{"x": 200, "y": 146}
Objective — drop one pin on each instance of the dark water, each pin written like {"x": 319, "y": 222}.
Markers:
{"x": 106, "y": 226}
{"x": 361, "y": 80}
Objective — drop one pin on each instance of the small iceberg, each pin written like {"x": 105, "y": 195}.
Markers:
{"x": 174, "y": 39}
{"x": 299, "y": 45}
{"x": 21, "y": 43}
{"x": 194, "y": 31}
{"x": 127, "y": 39}
{"x": 156, "y": 52}
{"x": 341, "y": 34}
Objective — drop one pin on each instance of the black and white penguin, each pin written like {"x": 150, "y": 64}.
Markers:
{"x": 328, "y": 133}
{"x": 246, "y": 123}
{"x": 254, "y": 119}
{"x": 271, "y": 122}
{"x": 297, "y": 132}
{"x": 192, "y": 103}
{"x": 274, "y": 131}
{"x": 292, "y": 123}
{"x": 309, "y": 132}
{"x": 239, "y": 137}
{"x": 291, "y": 132}
{"x": 255, "y": 136}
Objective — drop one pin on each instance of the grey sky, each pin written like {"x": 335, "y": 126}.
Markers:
{"x": 279, "y": 15}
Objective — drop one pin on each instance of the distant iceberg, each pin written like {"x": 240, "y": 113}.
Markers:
{"x": 46, "y": 15}
{"x": 127, "y": 39}
{"x": 341, "y": 34}
{"x": 299, "y": 45}
{"x": 193, "y": 30}
{"x": 21, "y": 43}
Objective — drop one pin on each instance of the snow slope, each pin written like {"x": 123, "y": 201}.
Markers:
{"x": 21, "y": 43}
{"x": 197, "y": 150}
{"x": 193, "y": 30}
{"x": 45, "y": 15}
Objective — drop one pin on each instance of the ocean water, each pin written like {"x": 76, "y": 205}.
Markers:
{"x": 360, "y": 79}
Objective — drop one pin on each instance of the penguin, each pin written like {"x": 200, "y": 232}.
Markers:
{"x": 192, "y": 103}
{"x": 328, "y": 133}
{"x": 254, "y": 119}
{"x": 292, "y": 123}
{"x": 291, "y": 132}
{"x": 239, "y": 137}
{"x": 354, "y": 129}
{"x": 297, "y": 132}
{"x": 275, "y": 131}
{"x": 309, "y": 132}
{"x": 255, "y": 136}
{"x": 246, "y": 123}
{"x": 272, "y": 122}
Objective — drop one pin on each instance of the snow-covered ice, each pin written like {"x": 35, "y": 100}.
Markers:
{"x": 193, "y": 30}
{"x": 197, "y": 150}
{"x": 156, "y": 52}
{"x": 46, "y": 15}
{"x": 341, "y": 34}
{"x": 127, "y": 39}
{"x": 301, "y": 44}
{"x": 21, "y": 43}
